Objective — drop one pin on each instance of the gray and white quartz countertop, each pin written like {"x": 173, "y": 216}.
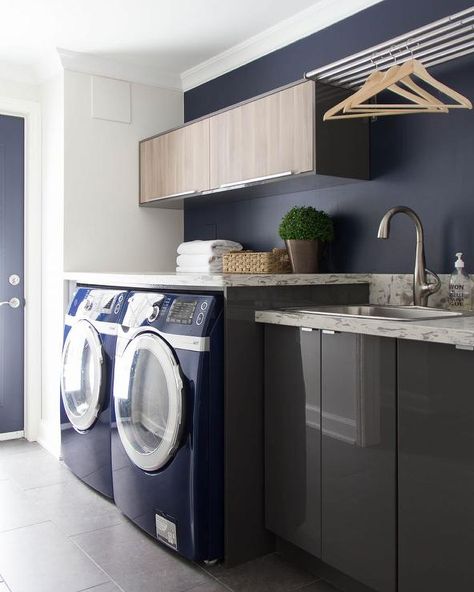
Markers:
{"x": 213, "y": 281}
{"x": 454, "y": 330}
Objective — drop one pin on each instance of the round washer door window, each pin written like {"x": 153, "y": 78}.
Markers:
{"x": 82, "y": 379}
{"x": 148, "y": 393}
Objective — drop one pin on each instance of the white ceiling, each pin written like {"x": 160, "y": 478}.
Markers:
{"x": 170, "y": 37}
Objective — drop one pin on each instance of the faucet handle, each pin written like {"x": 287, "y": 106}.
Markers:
{"x": 433, "y": 287}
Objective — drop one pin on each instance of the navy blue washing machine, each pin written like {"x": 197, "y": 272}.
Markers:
{"x": 167, "y": 443}
{"x": 90, "y": 335}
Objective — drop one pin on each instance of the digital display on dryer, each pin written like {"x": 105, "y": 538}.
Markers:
{"x": 182, "y": 312}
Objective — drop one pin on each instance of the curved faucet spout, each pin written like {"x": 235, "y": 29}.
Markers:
{"x": 422, "y": 290}
{"x": 384, "y": 228}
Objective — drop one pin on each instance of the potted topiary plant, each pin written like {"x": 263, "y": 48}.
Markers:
{"x": 304, "y": 229}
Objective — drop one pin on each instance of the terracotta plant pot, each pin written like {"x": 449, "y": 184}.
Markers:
{"x": 304, "y": 255}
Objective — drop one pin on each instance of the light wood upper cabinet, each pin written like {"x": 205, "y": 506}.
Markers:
{"x": 174, "y": 163}
{"x": 279, "y": 134}
{"x": 268, "y": 136}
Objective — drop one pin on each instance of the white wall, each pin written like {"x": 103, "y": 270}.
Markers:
{"x": 53, "y": 301}
{"x": 19, "y": 90}
{"x": 104, "y": 228}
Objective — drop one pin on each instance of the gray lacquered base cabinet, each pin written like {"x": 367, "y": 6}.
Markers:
{"x": 358, "y": 398}
{"x": 293, "y": 436}
{"x": 436, "y": 468}
{"x": 330, "y": 422}
{"x": 393, "y": 509}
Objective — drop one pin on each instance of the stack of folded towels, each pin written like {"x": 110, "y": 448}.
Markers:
{"x": 204, "y": 256}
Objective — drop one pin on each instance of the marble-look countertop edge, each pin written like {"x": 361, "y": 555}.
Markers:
{"x": 454, "y": 331}
{"x": 217, "y": 281}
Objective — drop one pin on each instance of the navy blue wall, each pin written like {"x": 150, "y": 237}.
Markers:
{"x": 423, "y": 161}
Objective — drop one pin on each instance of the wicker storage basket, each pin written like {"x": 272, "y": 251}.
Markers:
{"x": 276, "y": 261}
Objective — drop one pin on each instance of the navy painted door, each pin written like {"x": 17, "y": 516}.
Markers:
{"x": 11, "y": 265}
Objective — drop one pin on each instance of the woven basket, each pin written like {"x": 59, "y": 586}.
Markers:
{"x": 276, "y": 261}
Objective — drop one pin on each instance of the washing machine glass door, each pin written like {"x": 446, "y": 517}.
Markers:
{"x": 83, "y": 376}
{"x": 148, "y": 395}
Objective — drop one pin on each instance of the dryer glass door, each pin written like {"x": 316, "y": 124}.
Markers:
{"x": 83, "y": 378}
{"x": 148, "y": 393}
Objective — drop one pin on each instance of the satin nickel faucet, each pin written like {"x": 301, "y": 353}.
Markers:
{"x": 422, "y": 290}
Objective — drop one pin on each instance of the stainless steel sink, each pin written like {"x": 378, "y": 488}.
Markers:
{"x": 381, "y": 312}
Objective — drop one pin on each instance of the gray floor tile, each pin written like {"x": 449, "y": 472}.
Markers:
{"x": 35, "y": 469}
{"x": 266, "y": 574}
{"x": 74, "y": 507}
{"x": 109, "y": 587}
{"x": 209, "y": 586}
{"x": 319, "y": 586}
{"x": 21, "y": 446}
{"x": 40, "y": 558}
{"x": 17, "y": 509}
{"x": 137, "y": 563}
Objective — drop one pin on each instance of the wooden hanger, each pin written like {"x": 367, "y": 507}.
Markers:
{"x": 422, "y": 100}
{"x": 399, "y": 74}
{"x": 372, "y": 86}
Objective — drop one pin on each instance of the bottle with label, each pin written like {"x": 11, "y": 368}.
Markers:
{"x": 460, "y": 287}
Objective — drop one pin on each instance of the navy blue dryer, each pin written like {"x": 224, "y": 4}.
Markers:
{"x": 167, "y": 448}
{"x": 90, "y": 336}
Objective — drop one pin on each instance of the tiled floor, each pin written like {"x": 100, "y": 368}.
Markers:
{"x": 57, "y": 535}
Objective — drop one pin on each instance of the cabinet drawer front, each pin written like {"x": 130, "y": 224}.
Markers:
{"x": 267, "y": 136}
{"x": 175, "y": 162}
{"x": 358, "y": 394}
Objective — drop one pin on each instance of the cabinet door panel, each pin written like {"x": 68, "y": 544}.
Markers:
{"x": 267, "y": 136}
{"x": 436, "y": 468}
{"x": 293, "y": 436}
{"x": 358, "y": 457}
{"x": 175, "y": 162}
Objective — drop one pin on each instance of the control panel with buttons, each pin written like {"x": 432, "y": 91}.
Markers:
{"x": 180, "y": 314}
{"x": 97, "y": 304}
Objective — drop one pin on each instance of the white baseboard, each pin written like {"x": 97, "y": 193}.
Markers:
{"x": 12, "y": 435}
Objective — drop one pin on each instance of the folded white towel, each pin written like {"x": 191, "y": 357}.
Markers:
{"x": 196, "y": 260}
{"x": 200, "y": 269}
{"x": 209, "y": 247}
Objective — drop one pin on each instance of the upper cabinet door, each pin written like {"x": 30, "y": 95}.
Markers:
{"x": 269, "y": 136}
{"x": 175, "y": 163}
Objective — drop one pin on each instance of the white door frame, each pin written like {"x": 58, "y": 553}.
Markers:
{"x": 30, "y": 111}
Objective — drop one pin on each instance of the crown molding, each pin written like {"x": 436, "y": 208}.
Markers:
{"x": 100, "y": 66}
{"x": 319, "y": 16}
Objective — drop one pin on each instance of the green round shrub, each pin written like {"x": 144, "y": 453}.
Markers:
{"x": 306, "y": 223}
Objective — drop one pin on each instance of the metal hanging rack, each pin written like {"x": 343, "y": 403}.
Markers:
{"x": 438, "y": 42}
